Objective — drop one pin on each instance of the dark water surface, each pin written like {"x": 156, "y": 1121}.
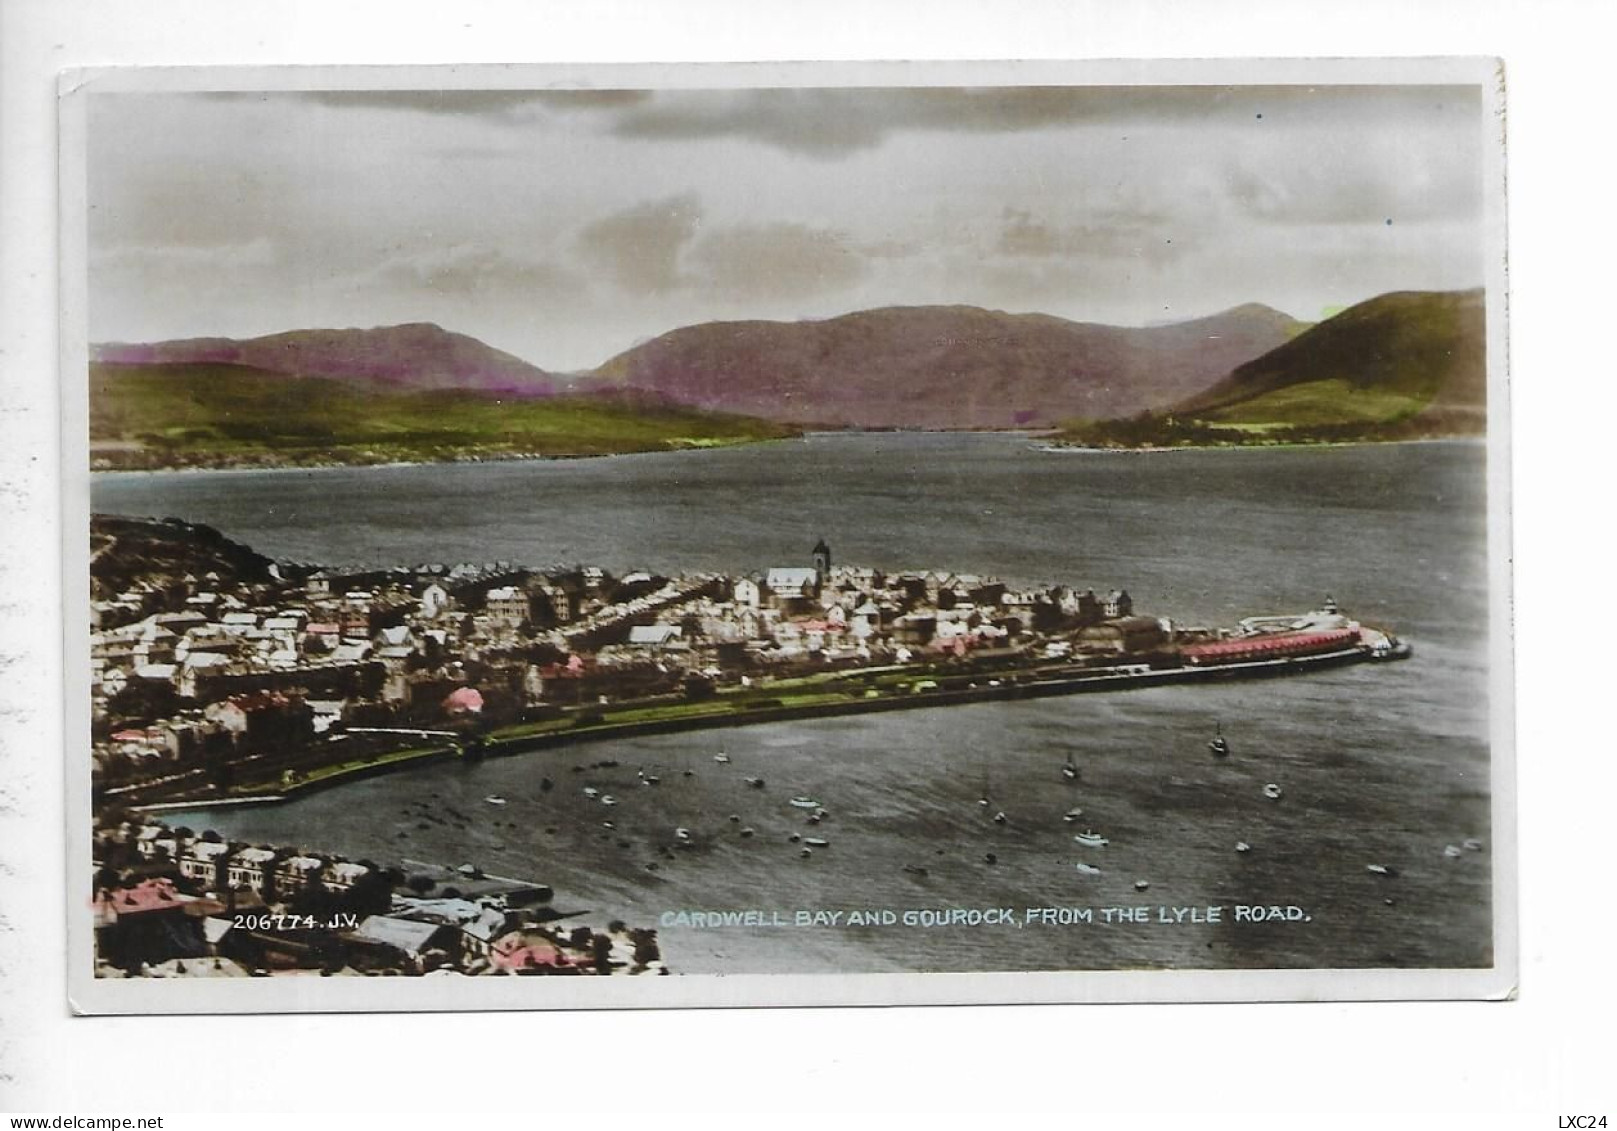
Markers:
{"x": 1378, "y": 764}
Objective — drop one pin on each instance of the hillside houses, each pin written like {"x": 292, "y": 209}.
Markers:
{"x": 218, "y": 907}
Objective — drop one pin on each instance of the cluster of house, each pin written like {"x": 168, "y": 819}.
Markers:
{"x": 280, "y": 663}
{"x": 169, "y": 903}
{"x": 831, "y": 613}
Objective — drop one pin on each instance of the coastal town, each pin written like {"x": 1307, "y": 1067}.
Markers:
{"x": 219, "y": 676}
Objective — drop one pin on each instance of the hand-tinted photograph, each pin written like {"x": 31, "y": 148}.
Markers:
{"x": 805, "y": 523}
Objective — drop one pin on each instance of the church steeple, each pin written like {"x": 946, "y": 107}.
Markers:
{"x": 822, "y": 560}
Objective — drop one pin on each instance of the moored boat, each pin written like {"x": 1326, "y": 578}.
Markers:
{"x": 1089, "y": 838}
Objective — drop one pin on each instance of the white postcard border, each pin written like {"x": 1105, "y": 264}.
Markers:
{"x": 89, "y": 995}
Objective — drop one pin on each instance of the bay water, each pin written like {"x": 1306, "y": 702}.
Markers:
{"x": 1384, "y": 765}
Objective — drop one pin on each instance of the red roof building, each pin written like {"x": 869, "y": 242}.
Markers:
{"x": 464, "y": 701}
{"x": 522, "y": 951}
{"x": 1269, "y": 646}
{"x": 148, "y": 896}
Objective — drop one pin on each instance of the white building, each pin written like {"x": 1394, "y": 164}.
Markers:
{"x": 792, "y": 583}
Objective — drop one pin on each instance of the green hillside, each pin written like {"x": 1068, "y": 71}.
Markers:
{"x": 206, "y": 415}
{"x": 1380, "y": 361}
{"x": 1335, "y": 400}
{"x": 1406, "y": 365}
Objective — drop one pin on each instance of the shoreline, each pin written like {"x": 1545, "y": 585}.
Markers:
{"x": 1046, "y": 446}
{"x": 515, "y": 457}
{"x": 724, "y": 717}
{"x": 1059, "y": 448}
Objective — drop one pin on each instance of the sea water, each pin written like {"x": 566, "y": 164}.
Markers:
{"x": 1378, "y": 764}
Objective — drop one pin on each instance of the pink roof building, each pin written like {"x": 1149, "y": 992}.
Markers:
{"x": 464, "y": 701}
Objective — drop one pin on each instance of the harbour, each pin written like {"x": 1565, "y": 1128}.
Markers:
{"x": 1377, "y": 766}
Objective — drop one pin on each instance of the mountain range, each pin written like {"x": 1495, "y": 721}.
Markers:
{"x": 943, "y": 366}
{"x": 417, "y": 355}
{"x": 1414, "y": 360}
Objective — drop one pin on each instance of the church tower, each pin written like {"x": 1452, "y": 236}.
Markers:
{"x": 822, "y": 561}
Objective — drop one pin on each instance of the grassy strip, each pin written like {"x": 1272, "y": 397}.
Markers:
{"x": 201, "y": 415}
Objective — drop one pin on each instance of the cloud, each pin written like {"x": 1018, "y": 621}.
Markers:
{"x": 260, "y": 252}
{"x": 639, "y": 248}
{"x": 1405, "y": 188}
{"x": 475, "y": 269}
{"x": 780, "y": 260}
{"x": 1149, "y": 238}
{"x": 510, "y": 105}
{"x": 836, "y": 122}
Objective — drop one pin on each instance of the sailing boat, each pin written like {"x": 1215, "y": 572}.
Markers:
{"x": 982, "y": 798}
{"x": 1069, "y": 769}
{"x": 1220, "y": 746}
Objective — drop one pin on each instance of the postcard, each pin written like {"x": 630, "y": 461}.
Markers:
{"x": 641, "y": 536}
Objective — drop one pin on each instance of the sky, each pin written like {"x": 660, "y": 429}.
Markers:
{"x": 568, "y": 226}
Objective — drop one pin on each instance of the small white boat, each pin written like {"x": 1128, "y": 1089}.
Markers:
{"x": 1272, "y": 791}
{"x": 1069, "y": 769}
{"x": 815, "y": 841}
{"x": 1472, "y": 844}
{"x": 721, "y": 758}
{"x": 494, "y": 799}
{"x": 1141, "y": 885}
{"x": 1087, "y": 869}
{"x": 802, "y": 802}
{"x": 682, "y": 834}
{"x": 608, "y": 799}
{"x": 1242, "y": 846}
{"x": 756, "y": 783}
{"x": 1089, "y": 838}
{"x": 1000, "y": 818}
{"x": 1453, "y": 851}
{"x": 747, "y": 830}
{"x": 591, "y": 791}
{"x": 806, "y": 853}
{"x": 1073, "y": 814}
{"x": 1381, "y": 869}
